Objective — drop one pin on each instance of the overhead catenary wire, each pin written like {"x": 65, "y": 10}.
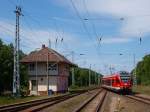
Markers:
{"x": 99, "y": 39}
{"x": 34, "y": 19}
{"x": 9, "y": 32}
{"x": 83, "y": 23}
{"x": 81, "y": 19}
{"x": 60, "y": 35}
{"x": 88, "y": 14}
{"x": 12, "y": 3}
{"x": 33, "y": 34}
{"x": 19, "y": 2}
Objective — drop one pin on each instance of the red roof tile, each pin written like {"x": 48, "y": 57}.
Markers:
{"x": 44, "y": 55}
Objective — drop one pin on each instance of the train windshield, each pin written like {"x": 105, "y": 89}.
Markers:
{"x": 125, "y": 76}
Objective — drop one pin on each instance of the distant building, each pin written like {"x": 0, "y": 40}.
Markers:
{"x": 47, "y": 67}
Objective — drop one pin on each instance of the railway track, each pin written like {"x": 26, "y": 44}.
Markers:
{"x": 139, "y": 98}
{"x": 48, "y": 104}
{"x": 37, "y": 105}
{"x": 94, "y": 103}
{"x": 136, "y": 98}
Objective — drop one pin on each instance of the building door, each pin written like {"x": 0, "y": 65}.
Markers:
{"x": 33, "y": 82}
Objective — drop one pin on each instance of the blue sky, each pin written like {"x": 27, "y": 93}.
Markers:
{"x": 81, "y": 23}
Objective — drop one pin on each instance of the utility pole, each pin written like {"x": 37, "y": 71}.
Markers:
{"x": 49, "y": 43}
{"x": 95, "y": 78}
{"x": 98, "y": 80}
{"x": 90, "y": 76}
{"x": 110, "y": 68}
{"x": 73, "y": 79}
{"x": 47, "y": 73}
{"x": 134, "y": 73}
{"x": 56, "y": 42}
{"x": 16, "y": 75}
{"x": 36, "y": 78}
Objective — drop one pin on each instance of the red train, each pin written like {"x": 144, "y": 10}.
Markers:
{"x": 119, "y": 82}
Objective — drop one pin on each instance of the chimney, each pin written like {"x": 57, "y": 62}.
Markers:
{"x": 43, "y": 46}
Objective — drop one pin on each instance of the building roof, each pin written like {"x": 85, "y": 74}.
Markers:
{"x": 45, "y": 54}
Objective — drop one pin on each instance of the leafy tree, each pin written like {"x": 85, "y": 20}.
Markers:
{"x": 6, "y": 68}
{"x": 82, "y": 77}
{"x": 143, "y": 71}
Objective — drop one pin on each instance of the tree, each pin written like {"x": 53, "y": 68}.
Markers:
{"x": 143, "y": 71}
{"x": 6, "y": 68}
{"x": 82, "y": 77}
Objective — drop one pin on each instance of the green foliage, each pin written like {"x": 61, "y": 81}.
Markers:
{"x": 143, "y": 71}
{"x": 82, "y": 77}
{"x": 73, "y": 87}
{"x": 6, "y": 68}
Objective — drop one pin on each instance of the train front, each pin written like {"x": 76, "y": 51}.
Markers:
{"x": 126, "y": 83}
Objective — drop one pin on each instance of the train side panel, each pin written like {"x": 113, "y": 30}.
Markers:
{"x": 117, "y": 83}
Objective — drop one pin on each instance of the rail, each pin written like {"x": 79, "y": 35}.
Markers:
{"x": 99, "y": 105}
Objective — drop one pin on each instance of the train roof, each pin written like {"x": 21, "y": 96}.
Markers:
{"x": 113, "y": 75}
{"x": 122, "y": 73}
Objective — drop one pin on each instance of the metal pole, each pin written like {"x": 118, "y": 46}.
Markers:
{"x": 16, "y": 75}
{"x": 110, "y": 69}
{"x": 49, "y": 43}
{"x": 95, "y": 78}
{"x": 73, "y": 79}
{"x": 18, "y": 71}
{"x": 36, "y": 79}
{"x": 134, "y": 75}
{"x": 47, "y": 73}
{"x": 98, "y": 79}
{"x": 90, "y": 76}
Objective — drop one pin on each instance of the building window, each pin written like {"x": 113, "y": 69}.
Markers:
{"x": 41, "y": 79}
{"x": 32, "y": 67}
{"x": 52, "y": 67}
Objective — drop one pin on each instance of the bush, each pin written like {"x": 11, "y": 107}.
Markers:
{"x": 7, "y": 93}
{"x": 73, "y": 87}
{"x": 24, "y": 91}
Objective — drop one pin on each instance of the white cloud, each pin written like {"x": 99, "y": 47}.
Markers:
{"x": 32, "y": 39}
{"x": 109, "y": 40}
{"x": 115, "y": 40}
{"x": 135, "y": 12}
{"x": 7, "y": 27}
{"x": 136, "y": 27}
{"x": 119, "y": 7}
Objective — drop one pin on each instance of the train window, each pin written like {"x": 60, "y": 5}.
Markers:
{"x": 125, "y": 76}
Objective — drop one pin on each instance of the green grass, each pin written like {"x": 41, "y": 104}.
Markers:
{"x": 11, "y": 100}
{"x": 142, "y": 89}
{"x": 82, "y": 88}
{"x": 5, "y": 100}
